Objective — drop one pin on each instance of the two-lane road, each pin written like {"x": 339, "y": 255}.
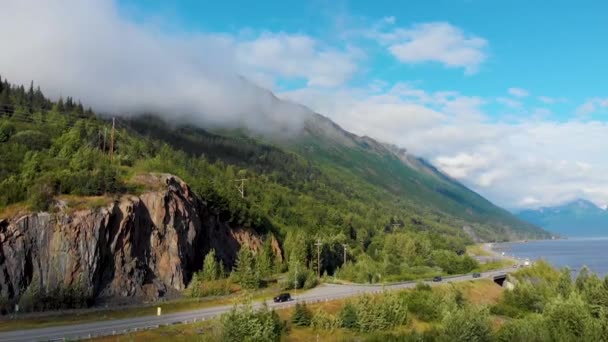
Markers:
{"x": 121, "y": 326}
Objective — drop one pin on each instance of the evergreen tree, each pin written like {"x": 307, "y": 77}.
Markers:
{"x": 30, "y": 94}
{"x": 210, "y": 266}
{"x": 301, "y": 315}
{"x": 264, "y": 260}
{"x": 582, "y": 278}
{"x": 59, "y": 106}
{"x": 245, "y": 271}
{"x": 247, "y": 325}
{"x": 564, "y": 283}
{"x": 5, "y": 100}
{"x": 221, "y": 272}
{"x": 348, "y": 316}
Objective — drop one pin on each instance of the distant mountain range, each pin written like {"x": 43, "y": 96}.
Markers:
{"x": 579, "y": 218}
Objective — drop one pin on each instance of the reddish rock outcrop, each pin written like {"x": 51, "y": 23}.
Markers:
{"x": 140, "y": 247}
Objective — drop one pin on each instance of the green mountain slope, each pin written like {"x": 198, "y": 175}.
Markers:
{"x": 408, "y": 177}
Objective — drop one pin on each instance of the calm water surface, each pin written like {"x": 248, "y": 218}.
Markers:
{"x": 574, "y": 253}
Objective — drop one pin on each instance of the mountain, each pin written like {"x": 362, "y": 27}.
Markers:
{"x": 576, "y": 218}
{"x": 408, "y": 180}
{"x": 408, "y": 177}
{"x": 70, "y": 180}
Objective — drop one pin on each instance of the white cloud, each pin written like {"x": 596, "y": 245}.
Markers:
{"x": 518, "y": 92}
{"x": 529, "y": 201}
{"x": 389, "y": 20}
{"x": 435, "y": 42}
{"x": 509, "y": 102}
{"x": 547, "y": 99}
{"x": 297, "y": 56}
{"x": 540, "y": 113}
{"x": 591, "y": 106}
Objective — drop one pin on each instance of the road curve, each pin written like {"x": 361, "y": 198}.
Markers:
{"x": 325, "y": 292}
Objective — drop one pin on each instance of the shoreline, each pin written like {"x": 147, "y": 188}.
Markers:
{"x": 489, "y": 247}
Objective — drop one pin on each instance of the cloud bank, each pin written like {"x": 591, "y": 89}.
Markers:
{"x": 87, "y": 50}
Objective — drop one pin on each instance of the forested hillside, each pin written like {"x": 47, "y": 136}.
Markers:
{"x": 399, "y": 217}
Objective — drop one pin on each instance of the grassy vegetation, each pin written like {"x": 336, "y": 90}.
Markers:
{"x": 496, "y": 265}
{"x": 83, "y": 316}
{"x": 483, "y": 292}
{"x": 546, "y": 305}
{"x": 478, "y": 250}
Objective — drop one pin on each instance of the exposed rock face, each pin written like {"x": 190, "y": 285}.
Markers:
{"x": 138, "y": 247}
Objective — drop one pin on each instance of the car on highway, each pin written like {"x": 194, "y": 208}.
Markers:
{"x": 283, "y": 297}
{"x": 476, "y": 275}
{"x": 437, "y": 279}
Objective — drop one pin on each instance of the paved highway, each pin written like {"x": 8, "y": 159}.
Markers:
{"x": 121, "y": 326}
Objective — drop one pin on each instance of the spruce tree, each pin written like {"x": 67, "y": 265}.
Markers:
{"x": 59, "y": 106}
{"x": 245, "y": 271}
{"x": 210, "y": 267}
{"x": 264, "y": 261}
{"x": 348, "y": 316}
{"x": 301, "y": 316}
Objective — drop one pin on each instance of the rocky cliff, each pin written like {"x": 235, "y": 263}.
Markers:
{"x": 139, "y": 247}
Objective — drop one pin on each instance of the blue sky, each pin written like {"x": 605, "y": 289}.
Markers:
{"x": 509, "y": 97}
{"x": 549, "y": 48}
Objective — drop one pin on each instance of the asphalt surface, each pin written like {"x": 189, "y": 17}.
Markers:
{"x": 321, "y": 293}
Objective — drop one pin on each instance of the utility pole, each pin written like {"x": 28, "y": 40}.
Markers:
{"x": 105, "y": 132}
{"x": 295, "y": 282}
{"x": 241, "y": 187}
{"x": 345, "y": 246}
{"x": 112, "y": 140}
{"x": 318, "y": 244}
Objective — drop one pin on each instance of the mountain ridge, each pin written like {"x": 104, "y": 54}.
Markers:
{"x": 576, "y": 218}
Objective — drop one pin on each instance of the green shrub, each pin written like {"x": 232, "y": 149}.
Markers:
{"x": 529, "y": 329}
{"x": 34, "y": 140}
{"x": 348, "y": 316}
{"x": 322, "y": 320}
{"x": 424, "y": 303}
{"x": 467, "y": 325}
{"x": 41, "y": 194}
{"x": 570, "y": 320}
{"x": 306, "y": 279}
{"x": 7, "y": 129}
{"x": 199, "y": 288}
{"x": 248, "y": 325}
{"x": 380, "y": 313}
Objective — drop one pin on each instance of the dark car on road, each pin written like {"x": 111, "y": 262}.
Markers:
{"x": 283, "y": 297}
{"x": 476, "y": 275}
{"x": 437, "y": 279}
